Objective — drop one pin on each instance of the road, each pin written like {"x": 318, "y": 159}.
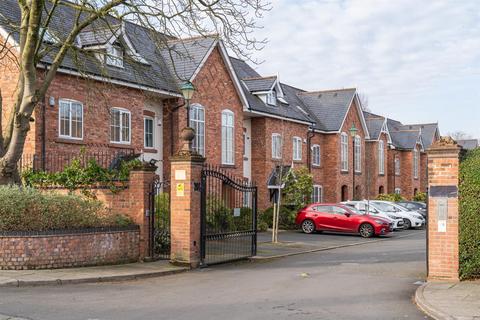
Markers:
{"x": 372, "y": 281}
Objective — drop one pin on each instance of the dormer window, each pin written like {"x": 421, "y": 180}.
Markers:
{"x": 114, "y": 56}
{"x": 48, "y": 37}
{"x": 272, "y": 98}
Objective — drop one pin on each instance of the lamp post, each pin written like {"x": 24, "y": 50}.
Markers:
{"x": 188, "y": 133}
{"x": 353, "y": 133}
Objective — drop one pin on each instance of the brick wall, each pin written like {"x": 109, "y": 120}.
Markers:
{"x": 443, "y": 253}
{"x": 262, "y": 161}
{"x": 215, "y": 91}
{"x": 73, "y": 249}
{"x": 406, "y": 180}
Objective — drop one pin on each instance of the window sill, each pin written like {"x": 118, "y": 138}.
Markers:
{"x": 298, "y": 161}
{"x": 70, "y": 141}
{"x": 148, "y": 150}
{"x": 119, "y": 145}
{"x": 228, "y": 166}
{"x": 344, "y": 171}
{"x": 316, "y": 166}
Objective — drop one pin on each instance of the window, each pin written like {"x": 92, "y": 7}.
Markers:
{"x": 197, "y": 122}
{"x": 148, "y": 132}
{"x": 227, "y": 137}
{"x": 70, "y": 118}
{"x": 272, "y": 98}
{"x": 358, "y": 154}
{"x": 344, "y": 151}
{"x": 317, "y": 196}
{"x": 338, "y": 210}
{"x": 381, "y": 157}
{"x": 297, "y": 148}
{"x": 120, "y": 126}
{"x": 276, "y": 146}
{"x": 397, "y": 166}
{"x": 316, "y": 155}
{"x": 114, "y": 56}
{"x": 398, "y": 191}
{"x": 415, "y": 163}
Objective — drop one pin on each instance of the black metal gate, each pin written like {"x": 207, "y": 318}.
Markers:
{"x": 228, "y": 217}
{"x": 159, "y": 220}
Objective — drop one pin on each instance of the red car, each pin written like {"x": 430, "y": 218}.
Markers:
{"x": 340, "y": 218}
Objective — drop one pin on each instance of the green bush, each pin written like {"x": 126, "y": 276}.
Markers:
{"x": 469, "y": 224}
{"x": 27, "y": 209}
{"x": 286, "y": 220}
{"x": 298, "y": 188}
{"x": 262, "y": 226}
{"x": 393, "y": 197}
{"x": 420, "y": 197}
{"x": 221, "y": 218}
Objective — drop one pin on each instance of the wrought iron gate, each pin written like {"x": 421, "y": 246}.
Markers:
{"x": 159, "y": 220}
{"x": 228, "y": 217}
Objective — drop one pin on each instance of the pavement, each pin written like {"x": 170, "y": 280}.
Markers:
{"x": 371, "y": 281}
{"x": 290, "y": 243}
{"x": 450, "y": 300}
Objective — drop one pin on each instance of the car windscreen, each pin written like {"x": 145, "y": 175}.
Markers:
{"x": 355, "y": 210}
{"x": 403, "y": 205}
{"x": 384, "y": 207}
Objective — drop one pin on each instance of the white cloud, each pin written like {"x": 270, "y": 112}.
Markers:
{"x": 392, "y": 50}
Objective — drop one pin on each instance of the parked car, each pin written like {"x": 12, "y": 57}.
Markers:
{"x": 340, "y": 218}
{"x": 365, "y": 208}
{"x": 420, "y": 207}
{"x": 412, "y": 219}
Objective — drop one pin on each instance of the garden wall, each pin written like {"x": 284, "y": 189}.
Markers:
{"x": 69, "y": 248}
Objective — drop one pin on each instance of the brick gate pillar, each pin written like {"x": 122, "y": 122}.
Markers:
{"x": 443, "y": 217}
{"x": 185, "y": 209}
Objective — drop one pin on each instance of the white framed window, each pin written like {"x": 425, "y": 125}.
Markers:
{"x": 114, "y": 56}
{"x": 316, "y": 155}
{"x": 228, "y": 129}
{"x": 148, "y": 132}
{"x": 415, "y": 163}
{"x": 344, "y": 151}
{"x": 70, "y": 119}
{"x": 358, "y": 154}
{"x": 317, "y": 195}
{"x": 398, "y": 191}
{"x": 381, "y": 157}
{"x": 197, "y": 122}
{"x": 297, "y": 148}
{"x": 120, "y": 124}
{"x": 276, "y": 146}
{"x": 272, "y": 98}
{"x": 397, "y": 166}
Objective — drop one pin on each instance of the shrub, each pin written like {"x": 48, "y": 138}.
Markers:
{"x": 469, "y": 224}
{"x": 420, "y": 197}
{"x": 27, "y": 209}
{"x": 298, "y": 188}
{"x": 286, "y": 220}
{"x": 393, "y": 197}
{"x": 262, "y": 226}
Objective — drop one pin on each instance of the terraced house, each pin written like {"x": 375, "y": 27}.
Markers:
{"x": 121, "y": 92}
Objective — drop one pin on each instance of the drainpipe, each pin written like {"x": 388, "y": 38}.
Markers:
{"x": 44, "y": 134}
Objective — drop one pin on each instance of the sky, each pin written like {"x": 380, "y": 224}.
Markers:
{"x": 415, "y": 61}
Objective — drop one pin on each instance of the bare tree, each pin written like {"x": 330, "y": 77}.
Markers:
{"x": 364, "y": 101}
{"x": 459, "y": 135}
{"x": 231, "y": 20}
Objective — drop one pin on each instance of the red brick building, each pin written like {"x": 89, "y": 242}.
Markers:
{"x": 125, "y": 96}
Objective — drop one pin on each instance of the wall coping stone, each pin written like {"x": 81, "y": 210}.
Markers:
{"x": 62, "y": 232}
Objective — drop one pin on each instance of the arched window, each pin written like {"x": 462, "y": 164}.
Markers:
{"x": 415, "y": 163}
{"x": 381, "y": 157}
{"x": 297, "y": 148}
{"x": 344, "y": 151}
{"x": 228, "y": 130}
{"x": 358, "y": 154}
{"x": 197, "y": 122}
{"x": 70, "y": 119}
{"x": 397, "y": 166}
{"x": 381, "y": 190}
{"x": 316, "y": 155}
{"x": 344, "y": 193}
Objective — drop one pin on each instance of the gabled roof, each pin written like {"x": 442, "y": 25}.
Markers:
{"x": 259, "y": 84}
{"x": 469, "y": 144}
{"x": 429, "y": 132}
{"x": 406, "y": 139}
{"x": 328, "y": 107}
{"x": 376, "y": 125}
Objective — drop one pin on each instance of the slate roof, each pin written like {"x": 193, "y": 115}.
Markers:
{"x": 259, "y": 83}
{"x": 405, "y": 139}
{"x": 469, "y": 144}
{"x": 96, "y": 36}
{"x": 328, "y": 107}
{"x": 374, "y": 124}
{"x": 429, "y": 130}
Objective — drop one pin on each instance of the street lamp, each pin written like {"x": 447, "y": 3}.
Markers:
{"x": 353, "y": 133}
{"x": 188, "y": 133}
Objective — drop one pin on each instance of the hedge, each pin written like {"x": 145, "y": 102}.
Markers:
{"x": 28, "y": 209}
{"x": 469, "y": 239}
{"x": 286, "y": 219}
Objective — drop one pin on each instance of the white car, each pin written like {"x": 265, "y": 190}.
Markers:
{"x": 362, "y": 206}
{"x": 412, "y": 219}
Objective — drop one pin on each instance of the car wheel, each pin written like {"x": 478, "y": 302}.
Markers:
{"x": 407, "y": 224}
{"x": 308, "y": 226}
{"x": 366, "y": 230}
